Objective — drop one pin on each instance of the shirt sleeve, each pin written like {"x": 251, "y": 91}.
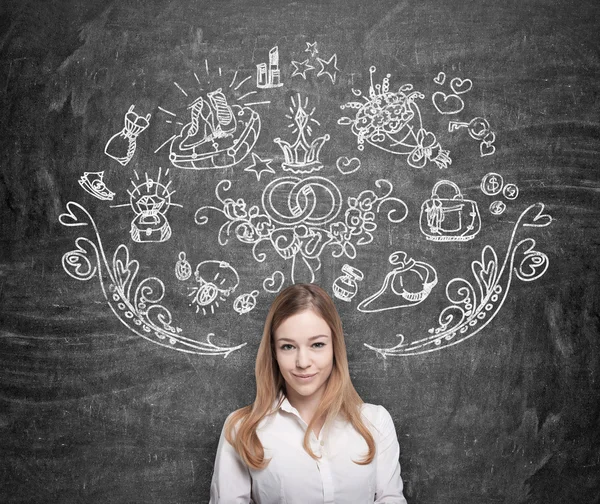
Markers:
{"x": 231, "y": 481}
{"x": 389, "y": 483}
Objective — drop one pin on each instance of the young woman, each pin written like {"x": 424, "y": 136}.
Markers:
{"x": 308, "y": 438}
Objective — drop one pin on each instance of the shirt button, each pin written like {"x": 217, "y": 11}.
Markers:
{"x": 322, "y": 443}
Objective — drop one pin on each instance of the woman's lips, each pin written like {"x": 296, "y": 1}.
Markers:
{"x": 304, "y": 377}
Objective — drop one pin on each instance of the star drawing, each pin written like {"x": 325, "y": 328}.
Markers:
{"x": 259, "y": 166}
{"x": 329, "y": 67}
{"x": 301, "y": 67}
{"x": 312, "y": 49}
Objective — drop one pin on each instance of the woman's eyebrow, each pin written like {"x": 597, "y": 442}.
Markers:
{"x": 309, "y": 339}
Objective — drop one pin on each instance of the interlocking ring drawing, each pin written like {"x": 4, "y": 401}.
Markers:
{"x": 298, "y": 219}
{"x": 391, "y": 121}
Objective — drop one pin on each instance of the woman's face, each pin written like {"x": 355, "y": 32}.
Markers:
{"x": 304, "y": 353}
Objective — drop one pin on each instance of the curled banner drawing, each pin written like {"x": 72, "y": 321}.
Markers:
{"x": 136, "y": 306}
{"x": 471, "y": 310}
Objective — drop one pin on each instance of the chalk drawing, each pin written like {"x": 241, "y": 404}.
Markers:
{"x": 218, "y": 135}
{"x": 449, "y": 219}
{"x": 259, "y": 166}
{"x": 328, "y": 67}
{"x": 150, "y": 200}
{"x": 216, "y": 281}
{"x": 183, "y": 269}
{"x": 137, "y": 305}
{"x": 471, "y": 309}
{"x": 486, "y": 149}
{"x": 408, "y": 284}
{"x": 301, "y": 156}
{"x": 447, "y": 104}
{"x": 298, "y": 219}
{"x": 346, "y": 165}
{"x": 93, "y": 183}
{"x": 274, "y": 283}
{"x": 268, "y": 75}
{"x": 391, "y": 121}
{"x": 510, "y": 192}
{"x": 460, "y": 86}
{"x": 491, "y": 184}
{"x": 440, "y": 78}
{"x": 479, "y": 129}
{"x": 497, "y": 207}
{"x": 121, "y": 146}
{"x": 311, "y": 47}
{"x": 345, "y": 286}
{"x": 301, "y": 67}
{"x": 245, "y": 303}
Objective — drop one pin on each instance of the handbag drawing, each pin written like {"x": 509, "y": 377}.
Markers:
{"x": 449, "y": 219}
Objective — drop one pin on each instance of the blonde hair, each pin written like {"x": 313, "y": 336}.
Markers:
{"x": 340, "y": 396}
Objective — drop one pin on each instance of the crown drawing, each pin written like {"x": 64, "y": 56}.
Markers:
{"x": 302, "y": 156}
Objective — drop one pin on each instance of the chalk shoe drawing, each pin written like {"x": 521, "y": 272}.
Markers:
{"x": 302, "y": 156}
{"x": 216, "y": 281}
{"x": 93, "y": 183}
{"x": 218, "y": 135}
{"x": 346, "y": 165}
{"x": 447, "y": 104}
{"x": 245, "y": 303}
{"x": 408, "y": 284}
{"x": 269, "y": 76}
{"x": 121, "y": 146}
{"x": 345, "y": 286}
{"x": 137, "y": 304}
{"x": 391, "y": 121}
{"x": 460, "y": 86}
{"x": 449, "y": 219}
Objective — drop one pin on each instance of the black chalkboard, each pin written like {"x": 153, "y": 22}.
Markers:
{"x": 166, "y": 167}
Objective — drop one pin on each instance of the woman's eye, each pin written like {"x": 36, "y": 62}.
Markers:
{"x": 319, "y": 345}
{"x": 286, "y": 347}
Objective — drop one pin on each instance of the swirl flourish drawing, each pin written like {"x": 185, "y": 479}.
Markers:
{"x": 139, "y": 306}
{"x": 471, "y": 310}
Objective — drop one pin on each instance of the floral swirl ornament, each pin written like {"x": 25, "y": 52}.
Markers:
{"x": 299, "y": 218}
{"x": 136, "y": 304}
{"x": 392, "y": 122}
{"x": 473, "y": 309}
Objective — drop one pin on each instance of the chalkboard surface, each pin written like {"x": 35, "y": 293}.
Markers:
{"x": 167, "y": 167}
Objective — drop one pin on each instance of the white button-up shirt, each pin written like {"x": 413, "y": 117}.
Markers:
{"x": 294, "y": 477}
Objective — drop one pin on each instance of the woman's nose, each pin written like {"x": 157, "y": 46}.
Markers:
{"x": 302, "y": 359}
